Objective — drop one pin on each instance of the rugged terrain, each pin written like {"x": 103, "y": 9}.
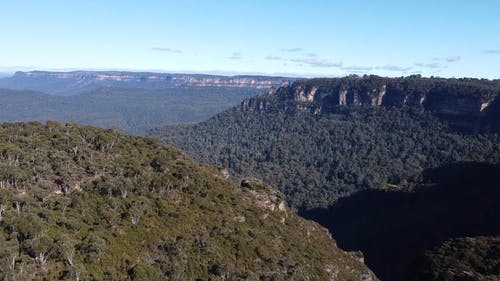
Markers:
{"x": 77, "y": 82}
{"x": 469, "y": 105}
{"x": 394, "y": 228}
{"x": 321, "y": 139}
{"x": 83, "y": 203}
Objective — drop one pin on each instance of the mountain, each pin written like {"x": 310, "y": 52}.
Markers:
{"x": 319, "y": 140}
{"x": 134, "y": 110}
{"x": 77, "y": 82}
{"x": 394, "y": 229}
{"x": 91, "y": 204}
{"x": 466, "y": 104}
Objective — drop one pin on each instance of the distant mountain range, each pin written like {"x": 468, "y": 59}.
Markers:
{"x": 133, "y": 101}
{"x": 77, "y": 82}
{"x": 133, "y": 110}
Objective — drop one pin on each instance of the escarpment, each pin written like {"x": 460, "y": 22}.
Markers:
{"x": 467, "y": 104}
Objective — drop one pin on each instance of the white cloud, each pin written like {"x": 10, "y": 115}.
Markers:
{"x": 453, "y": 58}
{"x": 169, "y": 50}
{"x": 234, "y": 56}
{"x": 317, "y": 62}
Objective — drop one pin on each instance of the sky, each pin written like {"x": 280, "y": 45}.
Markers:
{"x": 459, "y": 38}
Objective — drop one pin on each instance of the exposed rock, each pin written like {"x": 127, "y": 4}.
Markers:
{"x": 465, "y": 105}
{"x": 485, "y": 105}
{"x": 358, "y": 255}
{"x": 333, "y": 271}
{"x": 342, "y": 97}
{"x": 239, "y": 218}
{"x": 71, "y": 83}
{"x": 224, "y": 173}
{"x": 366, "y": 276}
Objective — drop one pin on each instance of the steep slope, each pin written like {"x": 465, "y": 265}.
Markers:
{"x": 394, "y": 228}
{"x": 316, "y": 157}
{"x": 133, "y": 110}
{"x": 91, "y": 204}
{"x": 470, "y": 258}
{"x": 78, "y": 82}
{"x": 466, "y": 104}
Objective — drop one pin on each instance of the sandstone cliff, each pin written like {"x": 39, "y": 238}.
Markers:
{"x": 71, "y": 83}
{"x": 467, "y": 104}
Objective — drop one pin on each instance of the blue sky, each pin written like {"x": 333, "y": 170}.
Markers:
{"x": 306, "y": 38}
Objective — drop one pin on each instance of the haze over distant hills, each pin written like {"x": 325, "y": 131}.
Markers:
{"x": 133, "y": 110}
{"x": 223, "y": 140}
{"x": 133, "y": 101}
{"x": 77, "y": 82}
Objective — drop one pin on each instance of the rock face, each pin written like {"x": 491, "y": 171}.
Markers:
{"x": 468, "y": 104}
{"x": 70, "y": 83}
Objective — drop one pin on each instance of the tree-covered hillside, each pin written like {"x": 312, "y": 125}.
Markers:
{"x": 83, "y": 203}
{"x": 133, "y": 110}
{"x": 468, "y": 259}
{"x": 316, "y": 158}
{"x": 395, "y": 228}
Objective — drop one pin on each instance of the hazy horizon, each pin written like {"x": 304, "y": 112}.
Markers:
{"x": 303, "y": 39}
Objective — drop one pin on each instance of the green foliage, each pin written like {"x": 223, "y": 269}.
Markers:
{"x": 315, "y": 159}
{"x": 467, "y": 259}
{"x": 133, "y": 110}
{"x": 82, "y": 203}
{"x": 393, "y": 228}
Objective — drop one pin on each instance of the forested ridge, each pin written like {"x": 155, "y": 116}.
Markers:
{"x": 315, "y": 159}
{"x": 379, "y": 162}
{"x": 83, "y": 203}
{"x": 134, "y": 110}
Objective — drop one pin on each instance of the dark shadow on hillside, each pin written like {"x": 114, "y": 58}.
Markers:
{"x": 392, "y": 228}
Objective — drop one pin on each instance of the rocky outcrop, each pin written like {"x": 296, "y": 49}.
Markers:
{"x": 467, "y": 104}
{"x": 305, "y": 95}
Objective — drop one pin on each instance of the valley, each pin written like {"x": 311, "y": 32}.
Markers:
{"x": 222, "y": 140}
{"x": 84, "y": 203}
{"x": 391, "y": 173}
{"x": 316, "y": 151}
{"x": 397, "y": 170}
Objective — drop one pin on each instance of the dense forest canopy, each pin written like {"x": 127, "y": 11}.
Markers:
{"x": 133, "y": 110}
{"x": 315, "y": 159}
{"x": 395, "y": 228}
{"x": 321, "y": 139}
{"x": 468, "y": 258}
{"x": 83, "y": 203}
